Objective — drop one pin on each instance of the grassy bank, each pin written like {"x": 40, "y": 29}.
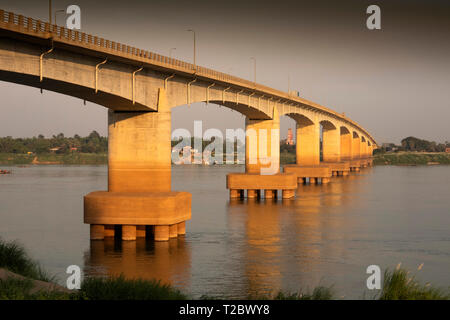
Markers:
{"x": 411, "y": 158}
{"x": 52, "y": 158}
{"x": 398, "y": 285}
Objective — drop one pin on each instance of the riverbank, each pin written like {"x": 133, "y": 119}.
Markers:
{"x": 411, "y": 158}
{"x": 76, "y": 158}
{"x": 397, "y": 158}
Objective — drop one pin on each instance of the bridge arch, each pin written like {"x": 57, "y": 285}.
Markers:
{"x": 307, "y": 139}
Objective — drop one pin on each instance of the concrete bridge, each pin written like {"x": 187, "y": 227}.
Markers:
{"x": 140, "y": 88}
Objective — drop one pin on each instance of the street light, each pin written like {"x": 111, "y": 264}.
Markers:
{"x": 254, "y": 67}
{"x": 190, "y": 30}
{"x": 58, "y": 11}
{"x": 170, "y": 52}
{"x": 50, "y": 11}
{"x": 289, "y": 85}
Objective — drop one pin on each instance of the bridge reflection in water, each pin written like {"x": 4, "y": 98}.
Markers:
{"x": 288, "y": 240}
{"x": 168, "y": 261}
{"x": 270, "y": 244}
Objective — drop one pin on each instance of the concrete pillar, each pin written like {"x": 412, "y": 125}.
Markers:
{"x": 287, "y": 194}
{"x": 262, "y": 145}
{"x": 251, "y": 194}
{"x": 356, "y": 142}
{"x": 139, "y": 150}
{"x": 109, "y": 230}
{"x": 128, "y": 232}
{"x": 363, "y": 149}
{"x": 346, "y": 145}
{"x": 308, "y": 143}
{"x": 97, "y": 231}
{"x": 181, "y": 228}
{"x": 140, "y": 231}
{"x": 173, "y": 231}
{"x": 161, "y": 233}
{"x": 331, "y": 144}
{"x": 234, "y": 193}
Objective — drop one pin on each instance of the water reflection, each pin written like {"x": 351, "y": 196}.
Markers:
{"x": 169, "y": 261}
{"x": 287, "y": 240}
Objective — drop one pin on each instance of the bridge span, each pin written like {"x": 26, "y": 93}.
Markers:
{"x": 140, "y": 88}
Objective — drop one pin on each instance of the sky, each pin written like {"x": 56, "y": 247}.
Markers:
{"x": 395, "y": 82}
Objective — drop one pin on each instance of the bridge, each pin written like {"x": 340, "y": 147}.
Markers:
{"x": 140, "y": 88}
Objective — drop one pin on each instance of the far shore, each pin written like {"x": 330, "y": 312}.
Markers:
{"x": 388, "y": 158}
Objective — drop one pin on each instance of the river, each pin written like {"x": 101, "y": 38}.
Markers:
{"x": 327, "y": 235}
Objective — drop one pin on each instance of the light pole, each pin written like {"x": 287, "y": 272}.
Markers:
{"x": 170, "y": 52}
{"x": 58, "y": 11}
{"x": 50, "y": 11}
{"x": 289, "y": 85}
{"x": 254, "y": 69}
{"x": 193, "y": 31}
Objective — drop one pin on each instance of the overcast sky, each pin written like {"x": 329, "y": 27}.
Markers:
{"x": 395, "y": 81}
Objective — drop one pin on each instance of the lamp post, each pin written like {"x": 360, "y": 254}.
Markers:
{"x": 193, "y": 31}
{"x": 50, "y": 11}
{"x": 170, "y": 52}
{"x": 58, "y": 11}
{"x": 254, "y": 69}
{"x": 289, "y": 85}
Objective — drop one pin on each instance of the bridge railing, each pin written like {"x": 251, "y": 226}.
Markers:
{"x": 32, "y": 25}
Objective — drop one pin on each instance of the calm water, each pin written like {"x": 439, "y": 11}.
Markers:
{"x": 328, "y": 235}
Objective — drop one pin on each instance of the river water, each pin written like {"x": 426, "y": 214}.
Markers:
{"x": 327, "y": 235}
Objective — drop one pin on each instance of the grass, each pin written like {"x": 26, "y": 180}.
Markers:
{"x": 120, "y": 288}
{"x": 14, "y": 258}
{"x": 319, "y": 293}
{"x": 71, "y": 158}
{"x": 400, "y": 285}
{"x": 20, "y": 289}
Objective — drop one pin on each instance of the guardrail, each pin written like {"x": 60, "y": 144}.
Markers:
{"x": 37, "y": 26}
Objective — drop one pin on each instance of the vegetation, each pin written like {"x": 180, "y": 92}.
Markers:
{"x": 319, "y": 293}
{"x": 415, "y": 144}
{"x": 411, "y": 158}
{"x": 119, "y": 288}
{"x": 52, "y": 158}
{"x": 14, "y": 258}
{"x": 94, "y": 143}
{"x": 400, "y": 285}
{"x": 22, "y": 289}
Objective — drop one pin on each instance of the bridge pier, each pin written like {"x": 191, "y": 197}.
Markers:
{"x": 262, "y": 162}
{"x": 139, "y": 178}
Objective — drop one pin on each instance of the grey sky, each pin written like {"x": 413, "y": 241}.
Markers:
{"x": 394, "y": 82}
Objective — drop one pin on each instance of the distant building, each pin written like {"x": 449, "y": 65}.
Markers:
{"x": 290, "y": 137}
{"x": 447, "y": 149}
{"x": 389, "y": 147}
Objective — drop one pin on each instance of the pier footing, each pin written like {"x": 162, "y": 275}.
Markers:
{"x": 162, "y": 215}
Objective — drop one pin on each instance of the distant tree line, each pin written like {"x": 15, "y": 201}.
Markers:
{"x": 93, "y": 143}
{"x": 415, "y": 144}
